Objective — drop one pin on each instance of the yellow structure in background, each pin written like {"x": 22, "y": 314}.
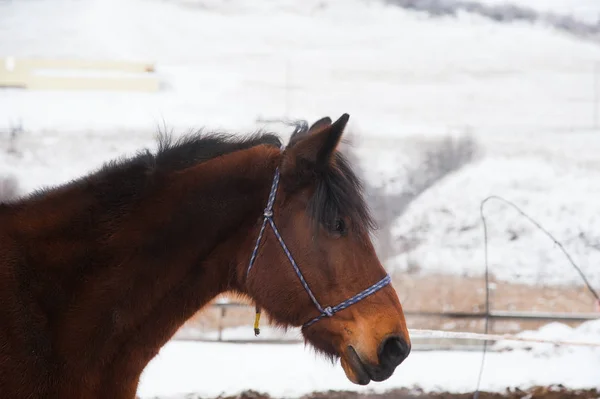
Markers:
{"x": 71, "y": 74}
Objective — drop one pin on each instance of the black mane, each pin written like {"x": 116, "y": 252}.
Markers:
{"x": 338, "y": 192}
{"x": 122, "y": 179}
{"x": 196, "y": 148}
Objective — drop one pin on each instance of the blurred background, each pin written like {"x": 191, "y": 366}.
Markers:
{"x": 451, "y": 101}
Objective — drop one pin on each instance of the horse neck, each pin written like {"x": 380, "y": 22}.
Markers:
{"x": 150, "y": 271}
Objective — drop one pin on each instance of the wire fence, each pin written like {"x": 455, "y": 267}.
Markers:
{"x": 423, "y": 339}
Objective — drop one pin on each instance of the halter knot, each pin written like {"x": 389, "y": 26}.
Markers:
{"x": 268, "y": 213}
{"x": 328, "y": 311}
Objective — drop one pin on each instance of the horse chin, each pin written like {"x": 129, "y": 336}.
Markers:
{"x": 351, "y": 363}
{"x": 354, "y": 368}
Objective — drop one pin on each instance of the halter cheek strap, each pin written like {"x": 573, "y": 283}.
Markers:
{"x": 327, "y": 311}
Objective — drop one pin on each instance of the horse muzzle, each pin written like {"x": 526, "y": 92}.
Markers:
{"x": 391, "y": 353}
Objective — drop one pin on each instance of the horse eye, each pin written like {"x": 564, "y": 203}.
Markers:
{"x": 340, "y": 226}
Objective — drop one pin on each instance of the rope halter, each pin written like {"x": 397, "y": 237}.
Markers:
{"x": 327, "y": 311}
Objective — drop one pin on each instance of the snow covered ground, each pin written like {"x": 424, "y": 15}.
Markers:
{"x": 292, "y": 370}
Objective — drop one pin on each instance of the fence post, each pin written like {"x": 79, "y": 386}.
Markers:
{"x": 221, "y": 317}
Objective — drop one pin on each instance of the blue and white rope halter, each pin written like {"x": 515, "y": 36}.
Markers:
{"x": 328, "y": 311}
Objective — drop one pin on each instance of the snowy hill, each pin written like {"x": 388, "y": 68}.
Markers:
{"x": 521, "y": 89}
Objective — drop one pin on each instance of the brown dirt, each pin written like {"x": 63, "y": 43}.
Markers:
{"x": 552, "y": 392}
{"x": 448, "y": 293}
{"x": 467, "y": 294}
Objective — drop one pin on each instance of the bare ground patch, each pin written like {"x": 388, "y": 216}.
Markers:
{"x": 549, "y": 392}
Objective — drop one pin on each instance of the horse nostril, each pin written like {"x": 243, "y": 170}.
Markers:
{"x": 393, "y": 351}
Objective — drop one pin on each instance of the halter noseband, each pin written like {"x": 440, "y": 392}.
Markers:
{"x": 328, "y": 311}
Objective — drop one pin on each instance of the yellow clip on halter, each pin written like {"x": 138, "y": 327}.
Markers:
{"x": 256, "y": 322}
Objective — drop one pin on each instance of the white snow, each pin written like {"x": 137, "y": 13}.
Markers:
{"x": 211, "y": 369}
{"x": 228, "y": 62}
{"x": 558, "y": 193}
{"x": 585, "y": 332}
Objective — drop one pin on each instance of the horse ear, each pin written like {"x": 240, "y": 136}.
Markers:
{"x": 319, "y": 125}
{"x": 318, "y": 147}
{"x": 303, "y": 130}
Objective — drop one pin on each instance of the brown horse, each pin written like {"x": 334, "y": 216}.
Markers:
{"x": 98, "y": 274}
